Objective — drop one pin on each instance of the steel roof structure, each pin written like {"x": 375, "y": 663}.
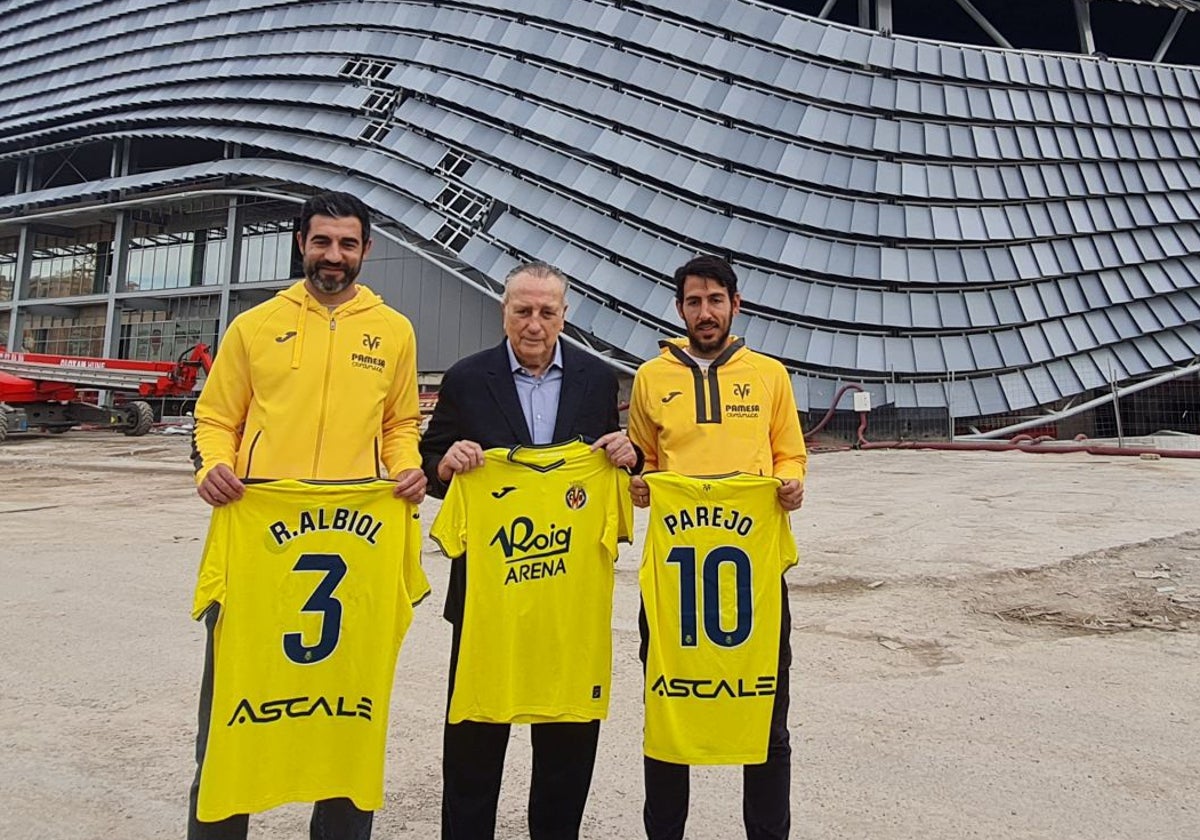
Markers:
{"x": 900, "y": 212}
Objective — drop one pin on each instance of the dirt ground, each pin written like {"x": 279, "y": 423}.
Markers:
{"x": 986, "y": 645}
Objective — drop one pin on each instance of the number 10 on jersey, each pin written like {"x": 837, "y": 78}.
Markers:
{"x": 704, "y": 590}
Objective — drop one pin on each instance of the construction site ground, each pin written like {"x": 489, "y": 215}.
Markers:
{"x": 986, "y": 646}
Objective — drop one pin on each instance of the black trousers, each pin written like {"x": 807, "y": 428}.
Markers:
{"x": 332, "y": 819}
{"x": 766, "y": 788}
{"x": 473, "y": 764}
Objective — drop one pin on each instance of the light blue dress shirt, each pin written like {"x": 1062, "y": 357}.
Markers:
{"x": 538, "y": 395}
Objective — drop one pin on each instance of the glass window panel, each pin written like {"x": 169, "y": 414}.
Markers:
{"x": 73, "y": 263}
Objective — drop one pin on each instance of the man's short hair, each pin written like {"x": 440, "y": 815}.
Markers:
{"x": 535, "y": 268}
{"x": 337, "y": 205}
{"x": 708, "y": 267}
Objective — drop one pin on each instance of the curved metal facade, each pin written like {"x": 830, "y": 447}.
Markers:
{"x": 900, "y": 212}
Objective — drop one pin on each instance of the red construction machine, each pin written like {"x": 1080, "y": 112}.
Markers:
{"x": 43, "y": 391}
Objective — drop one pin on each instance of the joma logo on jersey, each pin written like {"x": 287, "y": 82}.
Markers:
{"x": 371, "y": 342}
{"x": 672, "y": 396}
{"x": 270, "y": 711}
{"x": 665, "y": 686}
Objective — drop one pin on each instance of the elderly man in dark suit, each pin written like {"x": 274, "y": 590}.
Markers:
{"x": 531, "y": 389}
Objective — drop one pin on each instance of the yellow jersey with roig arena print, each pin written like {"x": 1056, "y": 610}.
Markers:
{"x": 539, "y": 526}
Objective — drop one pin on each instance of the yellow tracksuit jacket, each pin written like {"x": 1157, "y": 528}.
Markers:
{"x": 739, "y": 417}
{"x": 297, "y": 391}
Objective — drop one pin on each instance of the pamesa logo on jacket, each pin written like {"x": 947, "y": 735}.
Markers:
{"x": 364, "y": 360}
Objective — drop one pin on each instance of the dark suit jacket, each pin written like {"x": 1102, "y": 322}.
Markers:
{"x": 478, "y": 401}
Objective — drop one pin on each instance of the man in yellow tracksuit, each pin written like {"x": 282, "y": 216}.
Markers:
{"x": 708, "y": 406}
{"x": 320, "y": 382}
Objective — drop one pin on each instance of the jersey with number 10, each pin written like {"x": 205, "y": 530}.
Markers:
{"x": 539, "y": 526}
{"x": 715, "y": 550}
{"x": 316, "y": 584}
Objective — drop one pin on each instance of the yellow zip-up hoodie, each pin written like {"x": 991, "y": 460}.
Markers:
{"x": 739, "y": 415}
{"x": 298, "y": 391}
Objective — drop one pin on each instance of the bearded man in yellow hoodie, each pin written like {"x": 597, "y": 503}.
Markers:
{"x": 709, "y": 406}
{"x": 320, "y": 382}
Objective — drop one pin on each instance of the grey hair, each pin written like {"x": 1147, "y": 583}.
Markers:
{"x": 536, "y": 268}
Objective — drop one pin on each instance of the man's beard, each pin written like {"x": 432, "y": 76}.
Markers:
{"x": 708, "y": 346}
{"x": 333, "y": 284}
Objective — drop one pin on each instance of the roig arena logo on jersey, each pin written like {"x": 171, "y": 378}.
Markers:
{"x": 532, "y": 554}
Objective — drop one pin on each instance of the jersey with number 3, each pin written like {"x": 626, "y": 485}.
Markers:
{"x": 315, "y": 584}
{"x": 715, "y": 550}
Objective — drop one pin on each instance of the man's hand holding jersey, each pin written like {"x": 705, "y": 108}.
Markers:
{"x": 619, "y": 449}
{"x": 410, "y": 485}
{"x": 220, "y": 486}
{"x": 462, "y": 456}
{"x": 790, "y": 494}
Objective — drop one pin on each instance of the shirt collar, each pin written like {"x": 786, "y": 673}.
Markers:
{"x": 516, "y": 367}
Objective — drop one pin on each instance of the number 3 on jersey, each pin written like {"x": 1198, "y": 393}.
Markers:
{"x": 321, "y": 601}
{"x": 709, "y": 595}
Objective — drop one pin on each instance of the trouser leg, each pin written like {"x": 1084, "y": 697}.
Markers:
{"x": 767, "y": 787}
{"x": 564, "y": 755}
{"x": 340, "y": 819}
{"x": 667, "y": 785}
{"x": 667, "y": 788}
{"x": 231, "y": 828}
{"x": 472, "y": 766}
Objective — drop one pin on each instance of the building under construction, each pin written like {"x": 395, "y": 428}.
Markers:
{"x": 965, "y": 208}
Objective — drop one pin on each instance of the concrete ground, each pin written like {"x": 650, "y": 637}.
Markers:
{"x": 986, "y": 645}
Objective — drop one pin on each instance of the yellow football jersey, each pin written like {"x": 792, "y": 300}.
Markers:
{"x": 715, "y": 549}
{"x": 316, "y": 584}
{"x": 539, "y": 527}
